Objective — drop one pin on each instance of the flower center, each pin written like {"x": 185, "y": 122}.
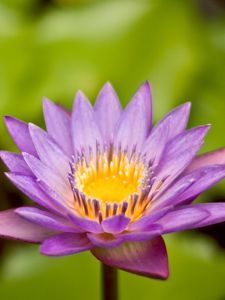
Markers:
{"x": 110, "y": 183}
{"x": 109, "y": 180}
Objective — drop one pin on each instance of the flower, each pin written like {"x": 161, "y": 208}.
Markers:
{"x": 104, "y": 180}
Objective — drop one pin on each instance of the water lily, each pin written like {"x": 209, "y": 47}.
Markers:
{"x": 104, "y": 180}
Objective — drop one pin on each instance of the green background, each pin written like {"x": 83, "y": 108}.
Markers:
{"x": 54, "y": 48}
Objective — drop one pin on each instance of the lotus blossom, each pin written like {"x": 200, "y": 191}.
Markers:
{"x": 104, "y": 180}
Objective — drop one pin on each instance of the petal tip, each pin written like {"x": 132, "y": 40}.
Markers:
{"x": 9, "y": 120}
{"x": 46, "y": 102}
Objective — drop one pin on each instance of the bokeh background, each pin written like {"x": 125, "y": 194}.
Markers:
{"x": 53, "y": 48}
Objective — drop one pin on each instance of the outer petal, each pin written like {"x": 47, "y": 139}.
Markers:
{"x": 115, "y": 224}
{"x": 65, "y": 244}
{"x": 149, "y": 218}
{"x": 135, "y": 121}
{"x": 58, "y": 123}
{"x": 29, "y": 186}
{"x": 171, "y": 125}
{"x": 46, "y": 219}
{"x": 15, "y": 162}
{"x": 47, "y": 175}
{"x": 216, "y": 213}
{"x": 182, "y": 218}
{"x": 85, "y": 132}
{"x": 208, "y": 176}
{"x": 144, "y": 258}
{"x": 107, "y": 111}
{"x": 210, "y": 158}
{"x": 176, "y": 120}
{"x": 15, "y": 227}
{"x": 190, "y": 186}
{"x": 178, "y": 154}
{"x": 20, "y": 134}
{"x": 49, "y": 152}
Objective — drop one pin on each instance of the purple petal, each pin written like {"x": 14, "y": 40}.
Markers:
{"x": 189, "y": 186}
{"x": 144, "y": 258}
{"x": 20, "y": 134}
{"x": 58, "y": 123}
{"x": 150, "y": 232}
{"x": 107, "y": 111}
{"x": 182, "y": 218}
{"x": 176, "y": 120}
{"x": 65, "y": 244}
{"x": 85, "y": 132}
{"x": 86, "y": 224}
{"x": 115, "y": 224}
{"x": 178, "y": 154}
{"x": 149, "y": 219}
{"x": 104, "y": 240}
{"x": 205, "y": 178}
{"x": 216, "y": 213}
{"x": 171, "y": 125}
{"x": 29, "y": 186}
{"x": 154, "y": 145}
{"x": 63, "y": 203}
{"x": 210, "y": 158}
{"x": 49, "y": 152}
{"x": 15, "y": 227}
{"x": 135, "y": 122}
{"x": 15, "y": 162}
{"x": 46, "y": 219}
{"x": 48, "y": 176}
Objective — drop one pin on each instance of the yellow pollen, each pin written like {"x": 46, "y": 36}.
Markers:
{"x": 111, "y": 180}
{"x": 111, "y": 183}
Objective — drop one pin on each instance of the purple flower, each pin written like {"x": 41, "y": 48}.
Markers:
{"x": 104, "y": 180}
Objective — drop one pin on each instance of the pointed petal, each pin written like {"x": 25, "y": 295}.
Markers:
{"x": 63, "y": 203}
{"x": 20, "y": 134}
{"x": 58, "y": 123}
{"x": 49, "y": 152}
{"x": 178, "y": 154}
{"x": 86, "y": 224}
{"x": 15, "y": 162}
{"x": 15, "y": 227}
{"x": 155, "y": 144}
{"x": 65, "y": 244}
{"x": 45, "y": 219}
{"x": 29, "y": 186}
{"x": 149, "y": 218}
{"x": 144, "y": 258}
{"x": 182, "y": 218}
{"x": 85, "y": 132}
{"x": 47, "y": 175}
{"x": 209, "y": 158}
{"x": 171, "y": 125}
{"x": 176, "y": 120}
{"x": 190, "y": 186}
{"x": 115, "y": 224}
{"x": 135, "y": 122}
{"x": 216, "y": 213}
{"x": 207, "y": 177}
{"x": 107, "y": 111}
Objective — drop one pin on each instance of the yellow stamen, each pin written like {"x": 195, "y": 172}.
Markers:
{"x": 114, "y": 180}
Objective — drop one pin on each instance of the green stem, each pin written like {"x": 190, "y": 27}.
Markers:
{"x": 109, "y": 283}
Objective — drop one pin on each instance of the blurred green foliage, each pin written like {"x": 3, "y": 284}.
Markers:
{"x": 53, "y": 48}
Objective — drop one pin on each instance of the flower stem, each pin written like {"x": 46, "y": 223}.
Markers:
{"x": 109, "y": 283}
